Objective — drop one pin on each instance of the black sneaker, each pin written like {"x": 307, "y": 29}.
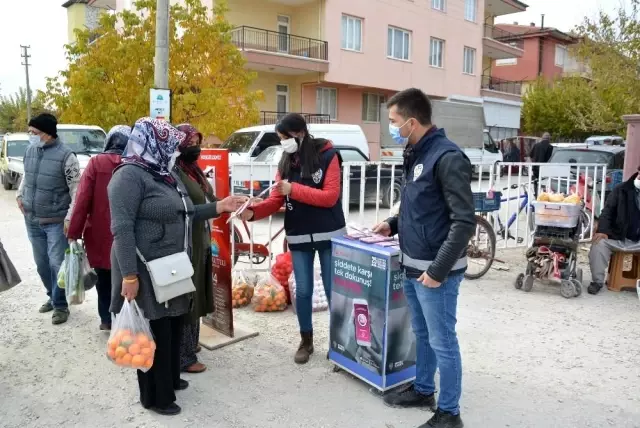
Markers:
{"x": 47, "y": 307}
{"x": 60, "y": 316}
{"x": 594, "y": 288}
{"x": 182, "y": 385}
{"x": 442, "y": 419}
{"x": 171, "y": 410}
{"x": 407, "y": 396}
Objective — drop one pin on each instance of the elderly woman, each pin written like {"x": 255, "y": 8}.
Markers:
{"x": 148, "y": 215}
{"x": 91, "y": 219}
{"x": 200, "y": 192}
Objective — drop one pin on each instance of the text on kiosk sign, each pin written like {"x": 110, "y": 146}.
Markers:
{"x": 211, "y": 157}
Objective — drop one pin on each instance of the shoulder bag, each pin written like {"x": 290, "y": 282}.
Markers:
{"x": 171, "y": 275}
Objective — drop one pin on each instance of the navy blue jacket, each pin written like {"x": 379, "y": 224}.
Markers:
{"x": 437, "y": 216}
{"x": 309, "y": 227}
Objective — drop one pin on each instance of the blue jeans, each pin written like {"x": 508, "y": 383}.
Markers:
{"x": 303, "y": 271}
{"x": 49, "y": 244}
{"x": 433, "y": 317}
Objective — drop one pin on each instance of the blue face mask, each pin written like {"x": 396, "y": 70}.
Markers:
{"x": 394, "y": 131}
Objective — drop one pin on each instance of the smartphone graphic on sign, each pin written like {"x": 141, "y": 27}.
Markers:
{"x": 362, "y": 322}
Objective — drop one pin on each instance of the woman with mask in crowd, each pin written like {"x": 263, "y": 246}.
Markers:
{"x": 91, "y": 218}
{"x": 200, "y": 192}
{"x": 308, "y": 183}
{"x": 147, "y": 201}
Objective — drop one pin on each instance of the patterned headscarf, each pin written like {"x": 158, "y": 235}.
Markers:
{"x": 191, "y": 168}
{"x": 153, "y": 145}
{"x": 117, "y": 139}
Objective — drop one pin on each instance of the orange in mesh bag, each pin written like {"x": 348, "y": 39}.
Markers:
{"x": 269, "y": 295}
{"x": 131, "y": 343}
{"x": 242, "y": 289}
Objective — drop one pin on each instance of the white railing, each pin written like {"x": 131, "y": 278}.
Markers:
{"x": 370, "y": 190}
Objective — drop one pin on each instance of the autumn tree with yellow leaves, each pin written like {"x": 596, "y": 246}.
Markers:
{"x": 111, "y": 71}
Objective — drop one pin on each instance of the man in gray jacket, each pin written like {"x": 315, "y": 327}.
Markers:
{"x": 45, "y": 197}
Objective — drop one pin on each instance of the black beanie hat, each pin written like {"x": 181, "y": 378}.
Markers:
{"x": 46, "y": 123}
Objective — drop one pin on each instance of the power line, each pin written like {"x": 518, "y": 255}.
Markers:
{"x": 25, "y": 56}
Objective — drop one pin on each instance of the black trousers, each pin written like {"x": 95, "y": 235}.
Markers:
{"x": 158, "y": 385}
{"x": 103, "y": 287}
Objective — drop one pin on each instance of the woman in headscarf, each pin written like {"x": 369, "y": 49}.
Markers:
{"x": 200, "y": 192}
{"x": 148, "y": 215}
{"x": 91, "y": 219}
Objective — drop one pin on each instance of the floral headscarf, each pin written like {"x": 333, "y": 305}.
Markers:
{"x": 153, "y": 145}
{"x": 117, "y": 139}
{"x": 191, "y": 168}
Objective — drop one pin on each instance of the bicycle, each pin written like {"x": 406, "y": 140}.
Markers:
{"x": 483, "y": 204}
{"x": 260, "y": 251}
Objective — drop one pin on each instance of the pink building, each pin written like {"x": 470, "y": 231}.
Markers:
{"x": 339, "y": 60}
{"x": 546, "y": 54}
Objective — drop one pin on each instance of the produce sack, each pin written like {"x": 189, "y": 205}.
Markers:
{"x": 281, "y": 270}
{"x": 242, "y": 288}
{"x": 131, "y": 343}
{"x": 320, "y": 302}
{"x": 269, "y": 295}
{"x": 74, "y": 286}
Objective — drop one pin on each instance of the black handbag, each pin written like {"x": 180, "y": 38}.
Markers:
{"x": 9, "y": 277}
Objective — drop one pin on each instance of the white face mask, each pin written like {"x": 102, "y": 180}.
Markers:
{"x": 636, "y": 182}
{"x": 289, "y": 145}
{"x": 34, "y": 139}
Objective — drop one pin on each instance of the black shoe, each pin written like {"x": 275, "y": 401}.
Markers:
{"x": 47, "y": 307}
{"x": 408, "y": 397}
{"x": 594, "y": 288}
{"x": 171, "y": 410}
{"x": 442, "y": 419}
{"x": 60, "y": 316}
{"x": 182, "y": 385}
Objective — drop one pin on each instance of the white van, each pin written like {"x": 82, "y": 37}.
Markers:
{"x": 247, "y": 143}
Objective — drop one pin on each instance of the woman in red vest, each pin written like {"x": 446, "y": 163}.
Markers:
{"x": 309, "y": 185}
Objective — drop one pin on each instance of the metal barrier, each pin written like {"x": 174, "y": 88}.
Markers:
{"x": 374, "y": 187}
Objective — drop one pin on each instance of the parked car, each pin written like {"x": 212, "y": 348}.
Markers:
{"x": 389, "y": 191}
{"x": 84, "y": 140}
{"x": 579, "y": 177}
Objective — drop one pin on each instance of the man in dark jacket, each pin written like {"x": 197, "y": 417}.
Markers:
{"x": 45, "y": 197}
{"x": 541, "y": 153}
{"x": 618, "y": 229}
{"x": 435, "y": 223}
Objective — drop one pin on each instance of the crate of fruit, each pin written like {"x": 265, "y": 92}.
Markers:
{"x": 487, "y": 201}
{"x": 557, "y": 214}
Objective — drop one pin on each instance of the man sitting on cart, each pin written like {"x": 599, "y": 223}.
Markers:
{"x": 618, "y": 229}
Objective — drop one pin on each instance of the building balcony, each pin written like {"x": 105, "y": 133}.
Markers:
{"x": 272, "y": 117}
{"x": 503, "y": 7}
{"x": 275, "y": 52}
{"x": 501, "y": 44}
{"x": 492, "y": 86}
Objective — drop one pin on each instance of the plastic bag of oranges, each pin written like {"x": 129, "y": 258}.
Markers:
{"x": 242, "y": 289}
{"x": 131, "y": 343}
{"x": 269, "y": 295}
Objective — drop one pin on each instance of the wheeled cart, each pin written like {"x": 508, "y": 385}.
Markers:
{"x": 553, "y": 254}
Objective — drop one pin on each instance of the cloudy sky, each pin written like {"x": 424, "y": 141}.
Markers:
{"x": 43, "y": 25}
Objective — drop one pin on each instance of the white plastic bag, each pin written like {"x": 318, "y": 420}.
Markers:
{"x": 74, "y": 287}
{"x": 131, "y": 343}
{"x": 87, "y": 274}
{"x": 320, "y": 302}
{"x": 62, "y": 273}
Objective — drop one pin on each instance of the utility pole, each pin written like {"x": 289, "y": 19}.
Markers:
{"x": 161, "y": 77}
{"x": 25, "y": 55}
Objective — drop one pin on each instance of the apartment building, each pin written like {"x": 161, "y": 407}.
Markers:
{"x": 340, "y": 60}
{"x": 546, "y": 54}
{"x": 83, "y": 14}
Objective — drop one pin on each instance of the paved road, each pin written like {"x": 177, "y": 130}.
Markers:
{"x": 530, "y": 361}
